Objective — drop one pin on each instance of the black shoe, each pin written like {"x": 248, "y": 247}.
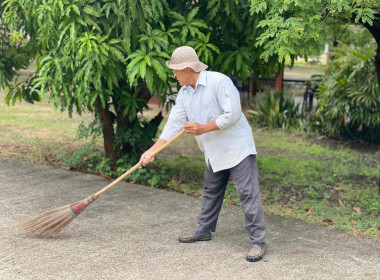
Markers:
{"x": 256, "y": 253}
{"x": 194, "y": 238}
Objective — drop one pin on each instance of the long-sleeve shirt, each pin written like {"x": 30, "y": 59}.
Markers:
{"x": 215, "y": 98}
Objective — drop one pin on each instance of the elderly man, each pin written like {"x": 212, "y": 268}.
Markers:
{"x": 208, "y": 106}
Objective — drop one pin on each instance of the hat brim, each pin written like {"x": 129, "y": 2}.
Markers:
{"x": 197, "y": 66}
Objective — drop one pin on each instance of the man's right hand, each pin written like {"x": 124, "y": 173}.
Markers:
{"x": 146, "y": 158}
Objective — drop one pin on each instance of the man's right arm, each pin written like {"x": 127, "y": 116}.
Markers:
{"x": 177, "y": 119}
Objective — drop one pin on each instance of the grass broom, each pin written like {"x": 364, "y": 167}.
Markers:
{"x": 50, "y": 223}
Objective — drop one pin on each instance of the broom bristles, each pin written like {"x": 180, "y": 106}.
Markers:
{"x": 52, "y": 222}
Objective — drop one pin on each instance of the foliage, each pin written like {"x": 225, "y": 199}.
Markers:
{"x": 341, "y": 31}
{"x": 101, "y": 56}
{"x": 15, "y": 55}
{"x": 204, "y": 48}
{"x": 144, "y": 62}
{"x": 85, "y": 158}
{"x": 349, "y": 100}
{"x": 294, "y": 28}
{"x": 189, "y": 24}
{"x": 238, "y": 60}
{"x": 108, "y": 58}
{"x": 276, "y": 110}
{"x": 137, "y": 137}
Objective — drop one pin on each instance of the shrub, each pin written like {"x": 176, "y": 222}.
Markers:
{"x": 276, "y": 110}
{"x": 83, "y": 158}
{"x": 349, "y": 98}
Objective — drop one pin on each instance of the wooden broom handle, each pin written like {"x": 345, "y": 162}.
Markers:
{"x": 154, "y": 153}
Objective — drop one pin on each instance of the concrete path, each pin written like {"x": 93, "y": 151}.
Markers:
{"x": 131, "y": 233}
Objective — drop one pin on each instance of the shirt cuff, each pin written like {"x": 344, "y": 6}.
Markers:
{"x": 220, "y": 123}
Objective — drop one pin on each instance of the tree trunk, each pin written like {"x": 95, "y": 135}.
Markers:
{"x": 145, "y": 93}
{"x": 375, "y": 31}
{"x": 278, "y": 85}
{"x": 108, "y": 131}
{"x": 122, "y": 124}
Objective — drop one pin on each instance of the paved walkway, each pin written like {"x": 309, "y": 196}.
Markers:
{"x": 131, "y": 233}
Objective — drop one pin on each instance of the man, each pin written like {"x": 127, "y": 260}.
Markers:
{"x": 208, "y": 106}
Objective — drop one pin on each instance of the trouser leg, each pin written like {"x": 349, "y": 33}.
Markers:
{"x": 245, "y": 177}
{"x": 212, "y": 199}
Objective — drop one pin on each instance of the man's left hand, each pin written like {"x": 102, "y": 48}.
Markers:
{"x": 194, "y": 128}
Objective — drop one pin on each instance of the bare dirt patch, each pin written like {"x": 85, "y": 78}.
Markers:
{"x": 27, "y": 133}
{"x": 12, "y": 149}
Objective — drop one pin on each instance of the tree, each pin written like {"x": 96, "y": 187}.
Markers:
{"x": 294, "y": 28}
{"x": 84, "y": 49}
{"x": 108, "y": 57}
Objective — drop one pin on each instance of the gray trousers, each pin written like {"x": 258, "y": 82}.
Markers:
{"x": 245, "y": 177}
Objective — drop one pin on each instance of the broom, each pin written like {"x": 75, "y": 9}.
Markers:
{"x": 52, "y": 222}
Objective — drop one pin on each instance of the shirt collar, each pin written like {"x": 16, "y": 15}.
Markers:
{"x": 202, "y": 80}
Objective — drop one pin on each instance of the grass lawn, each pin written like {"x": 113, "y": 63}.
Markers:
{"x": 35, "y": 133}
{"x": 301, "y": 176}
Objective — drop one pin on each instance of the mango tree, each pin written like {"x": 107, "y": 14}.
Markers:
{"x": 85, "y": 49}
{"x": 108, "y": 57}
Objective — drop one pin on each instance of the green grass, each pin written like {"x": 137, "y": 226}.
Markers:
{"x": 37, "y": 133}
{"x": 301, "y": 176}
{"x": 335, "y": 186}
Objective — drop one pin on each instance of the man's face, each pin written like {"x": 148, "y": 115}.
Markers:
{"x": 182, "y": 76}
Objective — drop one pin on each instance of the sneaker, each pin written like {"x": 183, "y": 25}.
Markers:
{"x": 256, "y": 253}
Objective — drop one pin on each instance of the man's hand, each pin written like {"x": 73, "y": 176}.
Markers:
{"x": 146, "y": 158}
{"x": 193, "y": 128}
{"x": 199, "y": 129}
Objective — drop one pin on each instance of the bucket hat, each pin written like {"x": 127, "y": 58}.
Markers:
{"x": 184, "y": 57}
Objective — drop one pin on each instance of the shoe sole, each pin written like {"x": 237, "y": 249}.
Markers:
{"x": 190, "y": 240}
{"x": 256, "y": 259}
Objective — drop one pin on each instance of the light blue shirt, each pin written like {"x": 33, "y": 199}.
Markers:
{"x": 215, "y": 98}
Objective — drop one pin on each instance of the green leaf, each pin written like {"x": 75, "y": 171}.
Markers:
{"x": 91, "y": 11}
{"x": 239, "y": 60}
{"x": 160, "y": 70}
{"x": 132, "y": 72}
{"x": 134, "y": 61}
{"x": 142, "y": 69}
{"x": 192, "y": 14}
{"x": 149, "y": 79}
{"x": 90, "y": 21}
{"x": 119, "y": 55}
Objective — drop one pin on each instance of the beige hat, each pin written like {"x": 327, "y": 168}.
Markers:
{"x": 184, "y": 57}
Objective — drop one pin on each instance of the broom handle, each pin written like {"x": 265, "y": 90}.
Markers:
{"x": 154, "y": 153}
